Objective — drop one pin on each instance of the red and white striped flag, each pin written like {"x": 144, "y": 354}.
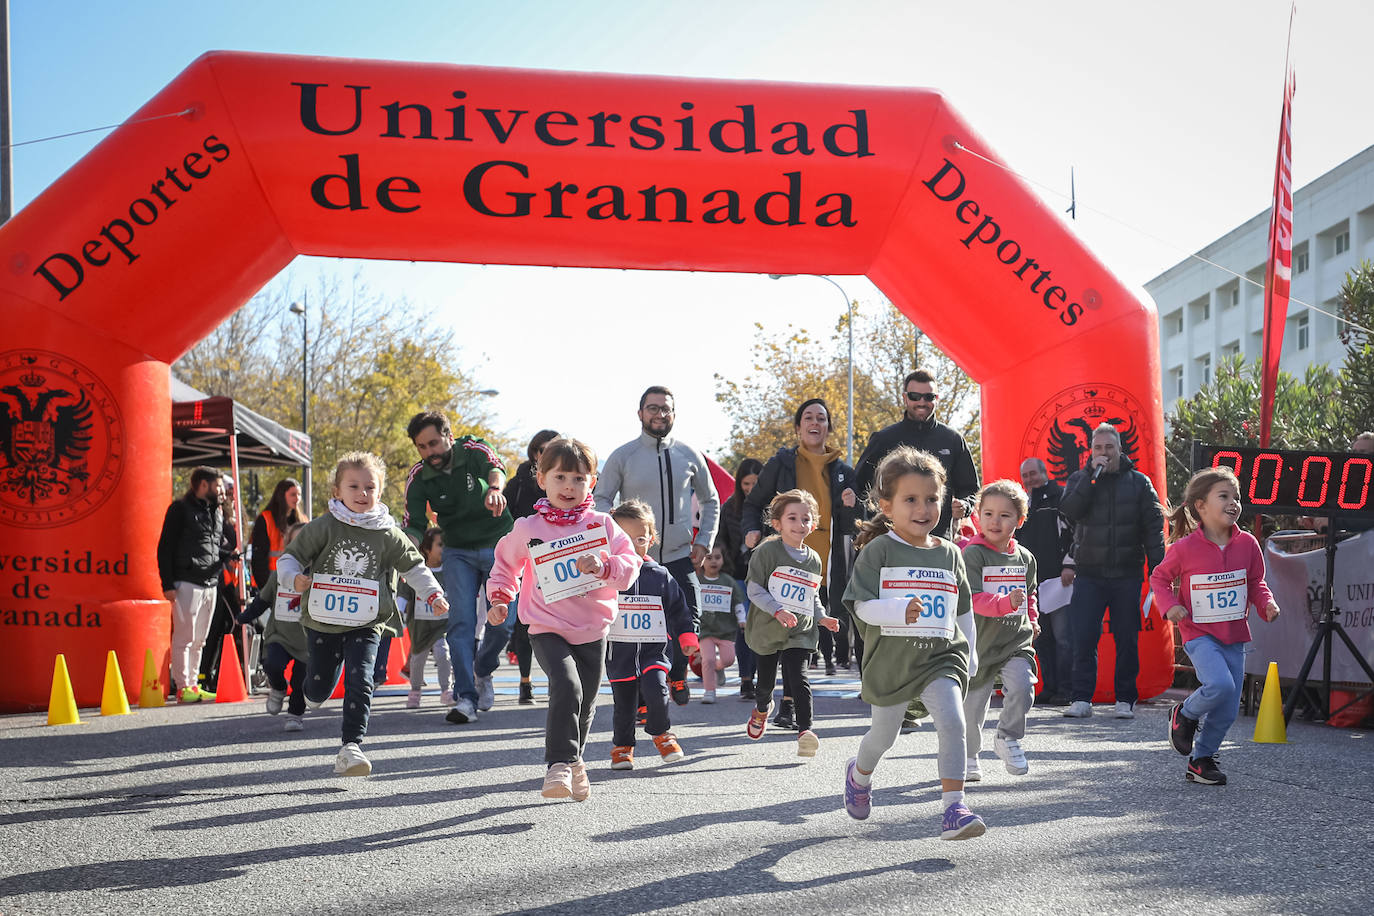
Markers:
{"x": 1278, "y": 274}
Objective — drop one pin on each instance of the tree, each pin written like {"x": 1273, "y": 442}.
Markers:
{"x": 374, "y": 363}
{"x": 791, "y": 365}
{"x": 1357, "y": 312}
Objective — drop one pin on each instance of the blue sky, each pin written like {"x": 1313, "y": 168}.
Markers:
{"x": 1168, "y": 114}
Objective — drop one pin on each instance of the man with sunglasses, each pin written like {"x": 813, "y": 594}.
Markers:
{"x": 919, "y": 429}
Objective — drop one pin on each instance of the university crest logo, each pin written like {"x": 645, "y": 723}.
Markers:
{"x": 1061, "y": 431}
{"x": 61, "y": 440}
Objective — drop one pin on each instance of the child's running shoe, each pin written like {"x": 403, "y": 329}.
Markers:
{"x": 557, "y": 781}
{"x": 680, "y": 692}
{"x": 526, "y": 693}
{"x": 1013, "y": 758}
{"x": 668, "y": 748}
{"x": 581, "y": 785}
{"x": 641, "y": 716}
{"x": 413, "y": 699}
{"x": 973, "y": 772}
{"x": 1205, "y": 771}
{"x": 293, "y": 723}
{"x": 446, "y": 698}
{"x": 758, "y": 721}
{"x": 623, "y": 757}
{"x": 961, "y": 824}
{"x": 708, "y": 696}
{"x": 351, "y": 761}
{"x": 275, "y": 698}
{"x": 195, "y": 695}
{"x": 807, "y": 743}
{"x": 1182, "y": 729}
{"x": 785, "y": 717}
{"x": 858, "y": 800}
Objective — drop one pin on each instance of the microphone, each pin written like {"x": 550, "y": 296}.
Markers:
{"x": 1097, "y": 472}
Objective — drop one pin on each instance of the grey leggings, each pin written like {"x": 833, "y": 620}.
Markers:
{"x": 574, "y": 674}
{"x": 1018, "y": 695}
{"x": 945, "y": 702}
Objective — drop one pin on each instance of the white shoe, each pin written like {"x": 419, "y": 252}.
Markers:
{"x": 708, "y": 696}
{"x": 486, "y": 693}
{"x": 1009, "y": 749}
{"x": 275, "y": 698}
{"x": 1124, "y": 710}
{"x": 413, "y": 699}
{"x": 294, "y": 724}
{"x": 446, "y": 698}
{"x": 972, "y": 771}
{"x": 1079, "y": 709}
{"x": 351, "y": 761}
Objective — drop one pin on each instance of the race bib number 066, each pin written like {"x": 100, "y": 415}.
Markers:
{"x": 937, "y": 592}
{"x": 555, "y": 563}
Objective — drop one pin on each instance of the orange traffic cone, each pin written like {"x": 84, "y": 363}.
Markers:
{"x": 338, "y": 688}
{"x": 395, "y": 661}
{"x": 152, "y": 693}
{"x": 62, "y": 703}
{"x": 113, "y": 700}
{"x": 231, "y": 687}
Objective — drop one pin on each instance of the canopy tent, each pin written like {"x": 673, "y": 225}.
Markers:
{"x": 201, "y": 427}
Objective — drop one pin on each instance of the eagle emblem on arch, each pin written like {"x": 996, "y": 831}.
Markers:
{"x": 45, "y": 433}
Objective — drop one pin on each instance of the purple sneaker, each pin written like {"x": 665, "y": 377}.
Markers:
{"x": 961, "y": 824}
{"x": 858, "y": 800}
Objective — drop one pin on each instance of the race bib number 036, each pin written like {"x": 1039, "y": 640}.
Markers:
{"x": 935, "y": 589}
{"x": 639, "y": 618}
{"x": 1219, "y": 597}
{"x": 715, "y": 599}
{"x": 795, "y": 589}
{"x": 343, "y": 600}
{"x": 555, "y": 563}
{"x": 1003, "y": 580}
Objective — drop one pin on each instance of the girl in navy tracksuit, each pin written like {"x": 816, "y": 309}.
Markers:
{"x": 638, "y": 667}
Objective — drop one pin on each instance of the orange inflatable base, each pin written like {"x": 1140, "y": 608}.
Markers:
{"x": 84, "y": 633}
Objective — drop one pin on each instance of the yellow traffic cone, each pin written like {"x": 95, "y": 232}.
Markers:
{"x": 62, "y": 704}
{"x": 113, "y": 700}
{"x": 1269, "y": 725}
{"x": 152, "y": 693}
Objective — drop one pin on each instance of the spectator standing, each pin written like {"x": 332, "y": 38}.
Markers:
{"x": 1048, "y": 536}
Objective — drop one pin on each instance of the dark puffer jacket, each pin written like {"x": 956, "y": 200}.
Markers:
{"x": 1118, "y": 523}
{"x": 192, "y": 545}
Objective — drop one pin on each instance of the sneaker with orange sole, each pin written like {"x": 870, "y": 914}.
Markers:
{"x": 668, "y": 748}
{"x": 622, "y": 757}
{"x": 758, "y": 721}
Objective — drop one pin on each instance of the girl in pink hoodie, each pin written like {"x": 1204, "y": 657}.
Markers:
{"x": 567, "y": 563}
{"x": 1001, "y": 574}
{"x": 1208, "y": 580}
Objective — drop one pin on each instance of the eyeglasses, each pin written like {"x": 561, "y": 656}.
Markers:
{"x": 922, "y": 396}
{"x": 658, "y": 409}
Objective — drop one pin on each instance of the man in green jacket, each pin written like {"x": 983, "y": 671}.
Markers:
{"x": 462, "y": 481}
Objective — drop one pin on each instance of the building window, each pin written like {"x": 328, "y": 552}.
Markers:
{"x": 1206, "y": 310}
{"x": 1303, "y": 332}
{"x": 1173, "y": 324}
{"x": 1300, "y": 261}
{"x": 1234, "y": 298}
{"x": 1176, "y": 381}
{"x": 1343, "y": 242}
{"x": 1205, "y": 364}
{"x": 1231, "y": 349}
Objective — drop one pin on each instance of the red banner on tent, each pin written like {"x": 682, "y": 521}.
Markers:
{"x": 1278, "y": 274}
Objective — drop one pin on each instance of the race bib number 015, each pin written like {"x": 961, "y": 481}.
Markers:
{"x": 1003, "y": 580}
{"x": 1219, "y": 597}
{"x": 555, "y": 563}
{"x": 935, "y": 589}
{"x": 639, "y": 618}
{"x": 287, "y": 607}
{"x": 795, "y": 589}
{"x": 714, "y": 599}
{"x": 343, "y": 600}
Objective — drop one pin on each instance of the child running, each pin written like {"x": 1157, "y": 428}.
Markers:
{"x": 910, "y": 599}
{"x": 566, "y": 563}
{"x": 346, "y": 601}
{"x": 1001, "y": 574}
{"x": 1208, "y": 580}
{"x": 284, "y": 642}
{"x": 723, "y": 605}
{"x": 427, "y": 627}
{"x": 785, "y": 612}
{"x": 652, "y": 611}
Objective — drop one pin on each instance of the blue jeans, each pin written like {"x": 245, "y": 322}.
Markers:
{"x": 1221, "y": 669}
{"x": 465, "y": 576}
{"x": 355, "y": 651}
{"x": 1091, "y": 597}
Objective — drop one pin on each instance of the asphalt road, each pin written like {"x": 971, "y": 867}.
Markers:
{"x": 210, "y": 810}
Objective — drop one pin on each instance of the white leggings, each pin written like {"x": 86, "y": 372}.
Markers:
{"x": 441, "y": 664}
{"x": 1018, "y": 695}
{"x": 943, "y": 699}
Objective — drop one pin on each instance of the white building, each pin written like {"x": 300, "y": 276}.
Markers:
{"x": 1206, "y": 314}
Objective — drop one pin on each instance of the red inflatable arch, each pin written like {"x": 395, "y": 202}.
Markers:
{"x": 169, "y": 225}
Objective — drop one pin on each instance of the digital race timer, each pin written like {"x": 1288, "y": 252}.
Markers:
{"x": 1310, "y": 483}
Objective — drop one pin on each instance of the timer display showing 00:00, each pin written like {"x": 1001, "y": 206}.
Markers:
{"x": 1298, "y": 480}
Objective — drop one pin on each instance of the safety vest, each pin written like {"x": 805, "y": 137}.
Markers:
{"x": 273, "y": 540}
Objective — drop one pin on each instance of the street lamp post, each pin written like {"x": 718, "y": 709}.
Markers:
{"x": 298, "y": 309}
{"x": 849, "y": 324}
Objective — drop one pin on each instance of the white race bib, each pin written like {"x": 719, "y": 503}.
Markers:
{"x": 1003, "y": 580}
{"x": 281, "y": 608}
{"x": 639, "y": 618}
{"x": 555, "y": 563}
{"x": 425, "y": 611}
{"x": 1219, "y": 597}
{"x": 343, "y": 600}
{"x": 795, "y": 589}
{"x": 936, "y": 590}
{"x": 714, "y": 599}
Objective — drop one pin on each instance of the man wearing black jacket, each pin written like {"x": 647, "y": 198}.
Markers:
{"x": 190, "y": 555}
{"x": 1048, "y": 537}
{"x": 919, "y": 429}
{"x": 1118, "y": 526}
